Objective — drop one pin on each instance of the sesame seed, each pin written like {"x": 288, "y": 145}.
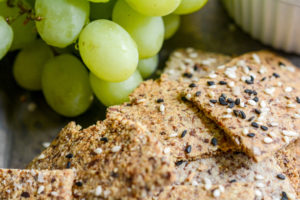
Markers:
{"x": 254, "y": 124}
{"x": 251, "y": 135}
{"x": 276, "y": 75}
{"x": 140, "y": 101}
{"x": 214, "y": 142}
{"x": 55, "y": 194}
{"x": 280, "y": 176}
{"x": 192, "y": 85}
{"x": 291, "y": 105}
{"x": 269, "y": 91}
{"x": 68, "y": 165}
{"x": 243, "y": 115}
{"x": 160, "y": 100}
{"x": 264, "y": 128}
{"x": 104, "y": 139}
{"x": 207, "y": 183}
{"x": 162, "y": 108}
{"x": 231, "y": 105}
{"x": 245, "y": 131}
{"x": 263, "y": 79}
{"x": 223, "y": 83}
{"x": 288, "y": 89}
{"x": 42, "y": 156}
{"x": 78, "y": 184}
{"x": 167, "y": 150}
{"x": 210, "y": 83}
{"x": 221, "y": 67}
{"x": 212, "y": 75}
{"x": 187, "y": 75}
{"x": 259, "y": 177}
{"x": 279, "y": 84}
{"x": 178, "y": 163}
{"x": 249, "y": 82}
{"x": 195, "y": 67}
{"x": 284, "y": 196}
{"x": 248, "y": 91}
{"x": 98, "y": 151}
{"x": 263, "y": 104}
{"x": 98, "y": 190}
{"x": 116, "y": 149}
{"x": 251, "y": 118}
{"x": 69, "y": 156}
{"x": 46, "y": 144}
{"x": 231, "y": 84}
{"x": 237, "y": 101}
{"x": 252, "y": 102}
{"x": 222, "y": 101}
{"x": 188, "y": 149}
{"x": 198, "y": 93}
{"x": 183, "y": 99}
{"x": 281, "y": 64}
{"x": 183, "y": 133}
{"x": 230, "y": 100}
{"x": 289, "y": 133}
{"x": 232, "y": 181}
{"x": 216, "y": 193}
{"x": 272, "y": 134}
{"x": 256, "y": 58}
{"x": 268, "y": 140}
{"x": 227, "y": 116}
{"x": 25, "y": 195}
{"x": 213, "y": 101}
{"x": 260, "y": 185}
{"x": 188, "y": 97}
{"x": 41, "y": 189}
{"x": 256, "y": 99}
{"x": 257, "y": 111}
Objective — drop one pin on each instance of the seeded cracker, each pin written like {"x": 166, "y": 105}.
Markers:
{"x": 257, "y": 104}
{"x": 35, "y": 184}
{"x": 184, "y": 130}
{"x": 191, "y": 65}
{"x": 119, "y": 158}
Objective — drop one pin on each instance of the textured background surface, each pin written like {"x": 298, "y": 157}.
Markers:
{"x": 22, "y": 132}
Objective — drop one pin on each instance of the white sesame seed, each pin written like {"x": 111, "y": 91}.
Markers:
{"x": 167, "y": 150}
{"x": 221, "y": 67}
{"x": 229, "y": 110}
{"x": 297, "y": 116}
{"x": 188, "y": 96}
{"x": 259, "y": 177}
{"x": 286, "y": 139}
{"x": 230, "y": 72}
{"x": 55, "y": 194}
{"x": 274, "y": 124}
{"x": 42, "y": 156}
{"x": 245, "y": 131}
{"x": 116, "y": 149}
{"x": 263, "y": 104}
{"x": 208, "y": 61}
{"x": 207, "y": 183}
{"x": 193, "y": 55}
{"x": 98, "y": 151}
{"x": 256, "y": 58}
{"x": 106, "y": 193}
{"x": 289, "y": 133}
{"x": 262, "y": 70}
{"x": 268, "y": 140}
{"x": 190, "y": 50}
{"x": 177, "y": 54}
{"x": 212, "y": 75}
{"x": 140, "y": 100}
{"x": 227, "y": 116}
{"x": 270, "y": 91}
{"x": 260, "y": 185}
{"x": 46, "y": 144}
{"x": 242, "y": 105}
{"x": 288, "y": 89}
{"x": 216, "y": 193}
{"x": 291, "y": 105}
{"x": 221, "y": 187}
{"x": 279, "y": 84}
{"x": 188, "y": 60}
{"x": 241, "y": 63}
{"x": 291, "y": 68}
{"x": 162, "y": 108}
{"x": 272, "y": 134}
{"x": 173, "y": 135}
{"x": 98, "y": 190}
{"x": 212, "y": 86}
{"x": 256, "y": 151}
{"x": 252, "y": 102}
{"x": 195, "y": 183}
{"x": 41, "y": 189}
{"x": 258, "y": 193}
{"x": 211, "y": 94}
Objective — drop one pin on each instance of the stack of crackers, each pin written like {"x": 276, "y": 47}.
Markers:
{"x": 212, "y": 127}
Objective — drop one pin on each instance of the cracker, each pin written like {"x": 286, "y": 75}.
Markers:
{"x": 35, "y": 184}
{"x": 126, "y": 159}
{"x": 190, "y": 65}
{"x": 177, "y": 124}
{"x": 267, "y": 117}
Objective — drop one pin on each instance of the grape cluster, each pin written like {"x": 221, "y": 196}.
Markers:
{"x": 72, "y": 49}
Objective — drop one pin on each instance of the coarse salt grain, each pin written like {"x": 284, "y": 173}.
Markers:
{"x": 188, "y": 96}
{"x": 263, "y": 104}
{"x": 297, "y": 116}
{"x": 268, "y": 140}
{"x": 98, "y": 190}
{"x": 42, "y": 156}
{"x": 167, "y": 150}
{"x": 98, "y": 151}
{"x": 227, "y": 116}
{"x": 262, "y": 70}
{"x": 231, "y": 84}
{"x": 195, "y": 183}
{"x": 106, "y": 193}
{"x": 279, "y": 84}
{"x": 291, "y": 68}
{"x": 216, "y": 193}
{"x": 41, "y": 189}
{"x": 162, "y": 108}
{"x": 116, "y": 149}
{"x": 270, "y": 91}
{"x": 258, "y": 193}
{"x": 212, "y": 86}
{"x": 256, "y": 151}
{"x": 173, "y": 135}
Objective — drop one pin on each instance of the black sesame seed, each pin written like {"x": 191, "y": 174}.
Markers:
{"x": 188, "y": 149}
{"x": 254, "y": 92}
{"x": 25, "y": 195}
{"x": 249, "y": 82}
{"x": 281, "y": 176}
{"x": 69, "y": 156}
{"x": 223, "y": 101}
{"x": 298, "y": 99}
{"x": 192, "y": 85}
{"x": 230, "y": 100}
{"x": 198, "y": 93}
{"x": 284, "y": 196}
{"x": 163, "y": 133}
{"x": 247, "y": 91}
{"x": 243, "y": 115}
{"x": 224, "y": 95}
{"x": 178, "y": 163}
{"x": 128, "y": 104}
{"x": 251, "y": 135}
{"x": 104, "y": 139}
{"x": 183, "y": 98}
{"x": 252, "y": 78}
{"x": 257, "y": 111}
{"x": 210, "y": 83}
{"x": 281, "y": 63}
{"x": 188, "y": 75}
{"x": 276, "y": 75}
{"x": 213, "y": 101}
{"x": 251, "y": 118}
{"x": 231, "y": 105}
{"x": 232, "y": 181}
{"x": 160, "y": 100}
{"x": 79, "y": 184}
{"x": 264, "y": 128}
{"x": 250, "y": 68}
{"x": 68, "y": 165}
{"x": 263, "y": 79}
{"x": 237, "y": 102}
{"x": 214, "y": 141}
{"x": 254, "y": 124}
{"x": 223, "y": 83}
{"x": 114, "y": 174}
{"x": 195, "y": 67}
{"x": 236, "y": 112}
{"x": 183, "y": 133}
{"x": 256, "y": 99}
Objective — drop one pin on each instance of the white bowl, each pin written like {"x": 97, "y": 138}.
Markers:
{"x": 274, "y": 22}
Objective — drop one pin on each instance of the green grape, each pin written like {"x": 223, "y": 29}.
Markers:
{"x": 147, "y": 66}
{"x": 6, "y": 37}
{"x": 24, "y": 30}
{"x": 65, "y": 84}
{"x": 102, "y": 10}
{"x": 29, "y": 65}
{"x": 172, "y": 23}
{"x": 154, "y": 7}
{"x": 108, "y": 50}
{"x": 99, "y": 1}
{"x": 61, "y": 20}
{"x": 147, "y": 32}
{"x": 110, "y": 93}
{"x": 189, "y": 6}
{"x": 31, "y": 2}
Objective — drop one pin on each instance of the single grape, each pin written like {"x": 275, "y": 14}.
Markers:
{"x": 65, "y": 84}
{"x": 30, "y": 63}
{"x": 102, "y": 10}
{"x": 24, "y": 29}
{"x": 108, "y": 50}
{"x": 31, "y": 2}
{"x": 99, "y": 1}
{"x": 154, "y": 7}
{"x": 6, "y": 37}
{"x": 172, "y": 23}
{"x": 61, "y": 20}
{"x": 147, "y": 32}
{"x": 110, "y": 93}
{"x": 189, "y": 6}
{"x": 147, "y": 66}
